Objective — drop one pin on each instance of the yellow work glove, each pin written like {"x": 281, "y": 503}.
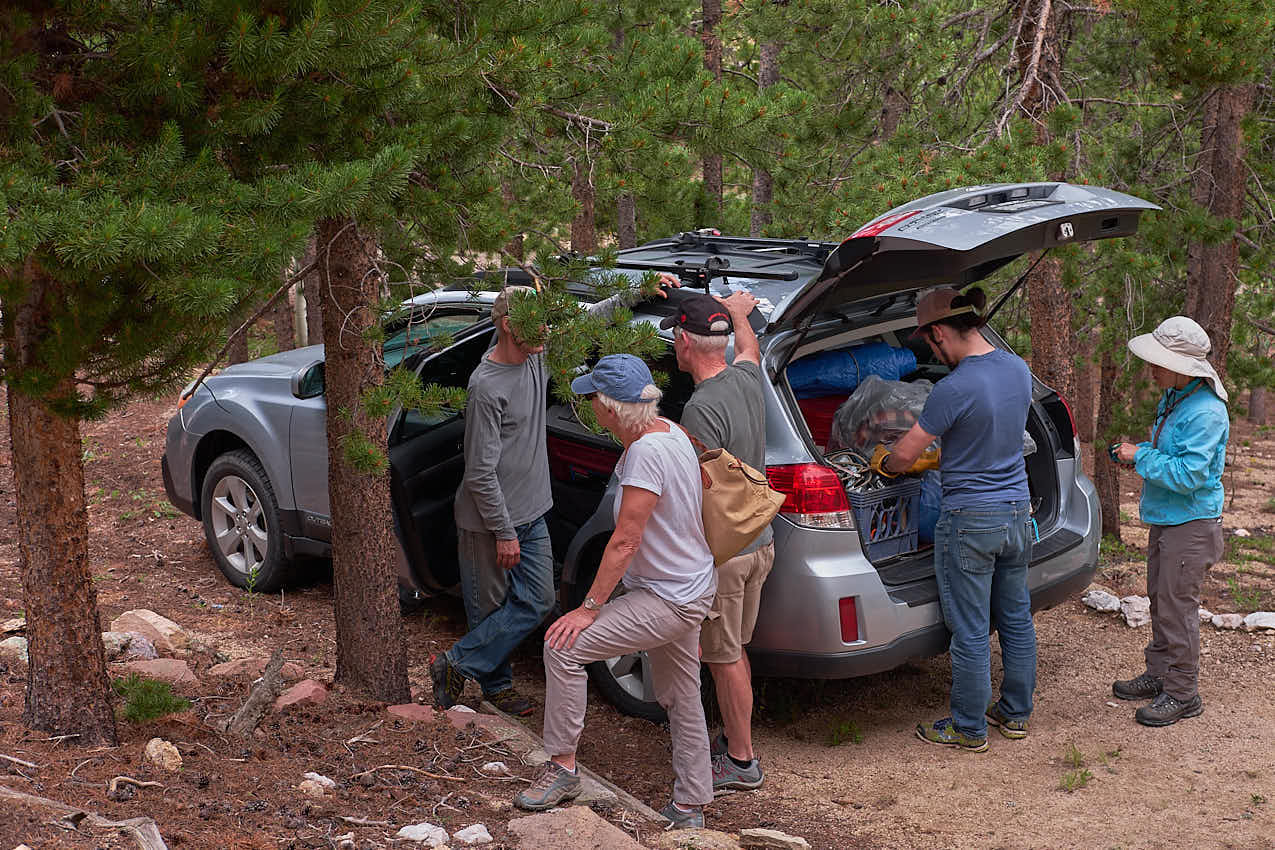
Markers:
{"x": 877, "y": 464}
{"x": 928, "y": 460}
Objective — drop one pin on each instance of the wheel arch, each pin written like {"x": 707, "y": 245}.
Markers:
{"x": 211, "y": 446}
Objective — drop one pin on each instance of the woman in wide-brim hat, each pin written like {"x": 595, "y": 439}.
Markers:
{"x": 1181, "y": 469}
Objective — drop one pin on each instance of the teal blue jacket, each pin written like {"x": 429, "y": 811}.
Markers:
{"x": 1182, "y": 473}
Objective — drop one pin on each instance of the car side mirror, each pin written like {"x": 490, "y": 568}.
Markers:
{"x": 307, "y": 382}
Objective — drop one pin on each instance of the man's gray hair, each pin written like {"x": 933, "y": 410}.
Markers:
{"x": 709, "y": 345}
{"x": 635, "y": 415}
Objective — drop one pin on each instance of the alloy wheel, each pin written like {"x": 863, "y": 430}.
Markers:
{"x": 239, "y": 525}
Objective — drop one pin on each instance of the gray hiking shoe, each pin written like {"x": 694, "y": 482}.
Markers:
{"x": 717, "y": 746}
{"x": 679, "y": 819}
{"x": 553, "y": 786}
{"x": 1012, "y": 729}
{"x": 1167, "y": 710}
{"x": 1142, "y": 686}
{"x": 728, "y": 776}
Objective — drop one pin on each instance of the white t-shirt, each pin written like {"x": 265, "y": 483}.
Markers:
{"x": 673, "y": 560}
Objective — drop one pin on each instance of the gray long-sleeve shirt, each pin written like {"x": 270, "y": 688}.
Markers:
{"x": 506, "y": 481}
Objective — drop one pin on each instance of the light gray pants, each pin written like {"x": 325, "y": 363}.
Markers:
{"x": 639, "y": 620}
{"x": 1177, "y": 556}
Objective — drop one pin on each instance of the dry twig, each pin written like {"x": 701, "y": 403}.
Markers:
{"x": 20, "y": 762}
{"x": 263, "y": 694}
{"x": 114, "y": 786}
{"x": 413, "y": 770}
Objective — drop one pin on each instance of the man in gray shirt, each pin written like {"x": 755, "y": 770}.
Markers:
{"x": 728, "y": 410}
{"x": 504, "y": 551}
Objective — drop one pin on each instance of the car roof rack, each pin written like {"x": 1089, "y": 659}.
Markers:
{"x": 700, "y": 274}
{"x": 806, "y": 248}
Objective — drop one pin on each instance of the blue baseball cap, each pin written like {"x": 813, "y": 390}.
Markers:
{"x": 620, "y": 376}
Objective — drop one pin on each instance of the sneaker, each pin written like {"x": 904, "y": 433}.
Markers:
{"x": 1142, "y": 686}
{"x": 553, "y": 786}
{"x": 1167, "y": 710}
{"x": 943, "y": 733}
{"x": 511, "y": 702}
{"x": 717, "y": 746}
{"x": 681, "y": 819}
{"x": 728, "y": 776}
{"x": 449, "y": 683}
{"x": 1012, "y": 729}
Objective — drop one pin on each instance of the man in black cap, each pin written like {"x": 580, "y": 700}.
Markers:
{"x": 728, "y": 410}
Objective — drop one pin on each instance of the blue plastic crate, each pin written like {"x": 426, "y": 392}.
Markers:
{"x": 887, "y": 519}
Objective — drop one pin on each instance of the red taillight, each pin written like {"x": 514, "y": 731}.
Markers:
{"x": 809, "y": 488}
{"x": 849, "y": 620}
{"x": 1070, "y": 415}
{"x": 876, "y": 227}
{"x": 569, "y": 460}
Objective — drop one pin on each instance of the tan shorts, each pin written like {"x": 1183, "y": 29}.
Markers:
{"x": 739, "y": 582}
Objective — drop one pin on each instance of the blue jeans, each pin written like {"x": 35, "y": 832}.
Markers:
{"x": 502, "y": 606}
{"x": 981, "y": 555}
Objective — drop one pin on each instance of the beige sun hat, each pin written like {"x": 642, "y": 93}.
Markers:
{"x": 1180, "y": 345}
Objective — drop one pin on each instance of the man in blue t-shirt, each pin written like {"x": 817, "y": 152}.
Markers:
{"x": 982, "y": 542}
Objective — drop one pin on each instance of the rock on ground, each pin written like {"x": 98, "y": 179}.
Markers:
{"x": 128, "y": 646}
{"x": 424, "y": 833}
{"x": 414, "y": 712}
{"x": 1206, "y": 616}
{"x": 305, "y": 692}
{"x": 1136, "y": 610}
{"x": 254, "y": 667}
{"x": 572, "y": 828}
{"x": 167, "y": 636}
{"x": 17, "y": 624}
{"x": 771, "y": 838}
{"x": 170, "y": 670}
{"x": 310, "y": 788}
{"x": 1260, "y": 620}
{"x": 163, "y": 755}
{"x": 15, "y": 648}
{"x": 695, "y": 839}
{"x": 472, "y": 835}
{"x": 1101, "y": 600}
{"x": 1228, "y": 621}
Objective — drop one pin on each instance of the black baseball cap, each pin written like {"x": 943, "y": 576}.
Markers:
{"x": 700, "y": 314}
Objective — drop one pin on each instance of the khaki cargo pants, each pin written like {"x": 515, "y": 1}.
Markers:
{"x": 1177, "y": 556}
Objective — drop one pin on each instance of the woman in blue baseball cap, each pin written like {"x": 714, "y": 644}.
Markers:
{"x": 659, "y": 552}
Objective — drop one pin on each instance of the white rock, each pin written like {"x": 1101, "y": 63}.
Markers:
{"x": 1206, "y": 616}
{"x": 161, "y": 631}
{"x": 320, "y": 778}
{"x": 1136, "y": 610}
{"x": 771, "y": 838}
{"x": 1257, "y": 647}
{"x": 1228, "y": 621}
{"x": 1260, "y": 620}
{"x": 471, "y": 835}
{"x": 1101, "y": 600}
{"x": 496, "y": 768}
{"x": 15, "y": 648}
{"x": 462, "y": 709}
{"x": 426, "y": 833}
{"x": 163, "y": 755}
{"x": 1242, "y": 532}
{"x": 310, "y": 788}
{"x": 18, "y": 624}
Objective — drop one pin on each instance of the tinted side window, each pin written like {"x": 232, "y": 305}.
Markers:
{"x": 409, "y": 339}
{"x": 450, "y": 368}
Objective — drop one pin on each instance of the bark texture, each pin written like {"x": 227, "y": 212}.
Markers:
{"x": 67, "y": 689}
{"x": 1257, "y": 405}
{"x": 1082, "y": 403}
{"x": 285, "y": 332}
{"x": 763, "y": 181}
{"x": 626, "y": 220}
{"x": 369, "y": 628}
{"x": 1106, "y": 473}
{"x": 238, "y": 350}
{"x": 712, "y": 162}
{"x": 584, "y": 231}
{"x": 312, "y": 292}
{"x": 1218, "y": 185}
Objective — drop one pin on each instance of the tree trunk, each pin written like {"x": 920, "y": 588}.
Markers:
{"x": 1257, "y": 405}
{"x": 312, "y": 291}
{"x": 369, "y": 628}
{"x": 584, "y": 232}
{"x": 238, "y": 351}
{"x": 712, "y": 162}
{"x": 1049, "y": 305}
{"x": 763, "y": 182}
{"x": 514, "y": 247}
{"x": 67, "y": 689}
{"x": 298, "y": 318}
{"x": 285, "y": 333}
{"x": 1218, "y": 185}
{"x": 1106, "y": 473}
{"x": 1082, "y": 401}
{"x": 626, "y": 220}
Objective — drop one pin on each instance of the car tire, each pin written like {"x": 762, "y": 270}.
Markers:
{"x": 241, "y": 523}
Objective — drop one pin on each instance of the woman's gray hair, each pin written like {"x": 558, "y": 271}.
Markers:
{"x": 715, "y": 344}
{"x": 634, "y": 415}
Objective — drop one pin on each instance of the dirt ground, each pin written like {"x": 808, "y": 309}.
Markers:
{"x": 843, "y": 767}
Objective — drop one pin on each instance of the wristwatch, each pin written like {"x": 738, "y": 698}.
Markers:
{"x": 591, "y": 604}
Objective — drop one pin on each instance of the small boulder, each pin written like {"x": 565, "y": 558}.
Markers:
{"x": 1260, "y": 620}
{"x": 1228, "y": 621}
{"x": 15, "y": 649}
{"x": 167, "y": 636}
{"x": 162, "y": 755}
{"x": 254, "y": 667}
{"x": 472, "y": 835}
{"x": 574, "y": 826}
{"x": 1206, "y": 616}
{"x": 1101, "y": 600}
{"x": 1136, "y": 610}
{"x": 413, "y": 712}
{"x": 771, "y": 838}
{"x": 1242, "y": 532}
{"x": 495, "y": 768}
{"x": 310, "y": 788}
{"x": 305, "y": 692}
{"x": 424, "y": 833}
{"x": 128, "y": 646}
{"x": 170, "y": 670}
{"x": 319, "y": 778}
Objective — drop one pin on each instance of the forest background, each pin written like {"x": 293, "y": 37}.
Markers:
{"x": 169, "y": 170}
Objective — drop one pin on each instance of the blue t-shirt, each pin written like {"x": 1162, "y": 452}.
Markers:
{"x": 980, "y": 411}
